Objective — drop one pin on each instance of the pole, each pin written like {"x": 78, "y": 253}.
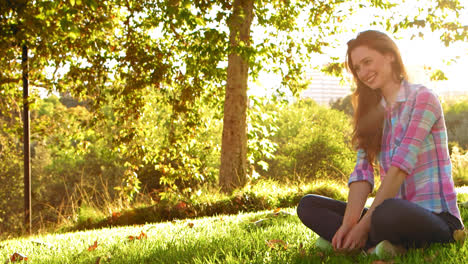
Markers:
{"x": 26, "y": 135}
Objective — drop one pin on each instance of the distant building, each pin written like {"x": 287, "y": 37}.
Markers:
{"x": 324, "y": 88}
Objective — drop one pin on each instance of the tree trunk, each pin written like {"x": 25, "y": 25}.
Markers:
{"x": 233, "y": 171}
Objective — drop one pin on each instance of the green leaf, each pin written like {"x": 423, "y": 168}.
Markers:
{"x": 438, "y": 75}
{"x": 200, "y": 21}
{"x": 92, "y": 4}
{"x": 64, "y": 24}
{"x": 73, "y": 35}
{"x": 187, "y": 4}
{"x": 41, "y": 16}
{"x": 263, "y": 164}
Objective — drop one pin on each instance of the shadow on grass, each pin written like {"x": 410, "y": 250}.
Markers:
{"x": 244, "y": 200}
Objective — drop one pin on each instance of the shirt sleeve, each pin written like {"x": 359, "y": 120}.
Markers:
{"x": 363, "y": 171}
{"x": 425, "y": 113}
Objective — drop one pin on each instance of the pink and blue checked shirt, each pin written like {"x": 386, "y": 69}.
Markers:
{"x": 415, "y": 140}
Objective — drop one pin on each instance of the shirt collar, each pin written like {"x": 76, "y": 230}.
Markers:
{"x": 402, "y": 94}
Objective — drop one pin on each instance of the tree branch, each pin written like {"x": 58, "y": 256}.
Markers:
{"x": 9, "y": 80}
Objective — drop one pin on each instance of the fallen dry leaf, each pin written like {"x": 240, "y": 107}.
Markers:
{"x": 18, "y": 257}
{"x": 115, "y": 215}
{"x": 302, "y": 251}
{"x": 273, "y": 242}
{"x": 190, "y": 224}
{"x": 181, "y": 206}
{"x": 278, "y": 212}
{"x": 93, "y": 247}
{"x": 140, "y": 236}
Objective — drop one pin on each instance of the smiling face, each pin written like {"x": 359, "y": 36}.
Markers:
{"x": 373, "y": 68}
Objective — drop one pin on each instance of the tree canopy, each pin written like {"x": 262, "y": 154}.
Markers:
{"x": 115, "y": 52}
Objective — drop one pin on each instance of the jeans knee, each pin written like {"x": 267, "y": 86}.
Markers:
{"x": 305, "y": 205}
{"x": 386, "y": 213}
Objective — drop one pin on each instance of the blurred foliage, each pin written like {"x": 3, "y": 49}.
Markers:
{"x": 344, "y": 105}
{"x": 313, "y": 142}
{"x": 459, "y": 165}
{"x": 71, "y": 162}
{"x": 11, "y": 165}
{"x": 438, "y": 75}
{"x": 262, "y": 126}
{"x": 176, "y": 151}
{"x": 76, "y": 163}
{"x": 456, "y": 119}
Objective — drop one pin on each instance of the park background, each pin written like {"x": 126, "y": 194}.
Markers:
{"x": 128, "y": 100}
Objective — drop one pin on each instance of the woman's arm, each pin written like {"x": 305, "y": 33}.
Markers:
{"x": 389, "y": 188}
{"x": 357, "y": 196}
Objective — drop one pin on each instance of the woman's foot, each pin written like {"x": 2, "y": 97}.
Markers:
{"x": 323, "y": 244}
{"x": 385, "y": 249}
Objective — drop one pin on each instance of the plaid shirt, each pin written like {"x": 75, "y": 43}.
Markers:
{"x": 415, "y": 140}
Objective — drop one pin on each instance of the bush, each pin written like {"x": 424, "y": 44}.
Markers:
{"x": 343, "y": 104}
{"x": 261, "y": 126}
{"x": 313, "y": 142}
{"x": 176, "y": 151}
{"x": 459, "y": 166}
{"x": 11, "y": 180}
{"x": 71, "y": 162}
{"x": 456, "y": 119}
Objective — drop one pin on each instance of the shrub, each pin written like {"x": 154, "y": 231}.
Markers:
{"x": 261, "y": 126}
{"x": 343, "y": 104}
{"x": 176, "y": 151}
{"x": 313, "y": 142}
{"x": 71, "y": 162}
{"x": 456, "y": 119}
{"x": 459, "y": 166}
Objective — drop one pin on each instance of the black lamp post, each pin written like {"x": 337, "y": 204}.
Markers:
{"x": 26, "y": 135}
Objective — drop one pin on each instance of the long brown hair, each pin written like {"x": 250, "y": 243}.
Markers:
{"x": 368, "y": 113}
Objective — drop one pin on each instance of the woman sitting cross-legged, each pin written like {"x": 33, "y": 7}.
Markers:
{"x": 401, "y": 126}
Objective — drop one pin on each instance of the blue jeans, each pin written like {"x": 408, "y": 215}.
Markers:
{"x": 398, "y": 221}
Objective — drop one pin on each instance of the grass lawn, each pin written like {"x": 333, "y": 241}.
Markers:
{"x": 238, "y": 238}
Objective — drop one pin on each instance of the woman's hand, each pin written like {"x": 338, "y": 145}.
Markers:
{"x": 358, "y": 192}
{"x": 340, "y": 235}
{"x": 356, "y": 237}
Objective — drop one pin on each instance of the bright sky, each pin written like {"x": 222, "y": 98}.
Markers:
{"x": 416, "y": 54}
